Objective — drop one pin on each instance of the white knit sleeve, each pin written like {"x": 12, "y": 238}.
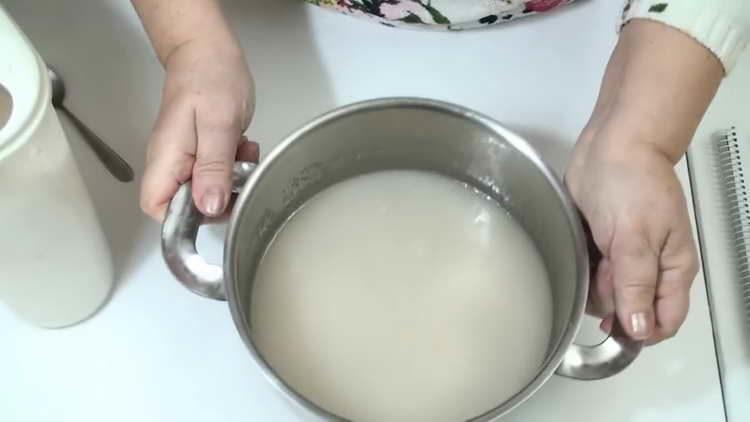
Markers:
{"x": 723, "y": 26}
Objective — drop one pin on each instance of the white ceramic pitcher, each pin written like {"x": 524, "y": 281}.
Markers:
{"x": 55, "y": 264}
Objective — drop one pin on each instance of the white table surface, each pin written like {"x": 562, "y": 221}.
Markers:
{"x": 159, "y": 353}
{"x": 730, "y": 316}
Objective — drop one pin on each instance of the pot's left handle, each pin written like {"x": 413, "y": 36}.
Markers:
{"x": 178, "y": 235}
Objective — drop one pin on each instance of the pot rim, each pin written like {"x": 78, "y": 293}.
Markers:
{"x": 555, "y": 356}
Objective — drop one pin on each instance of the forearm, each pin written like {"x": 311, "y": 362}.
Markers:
{"x": 656, "y": 88}
{"x": 172, "y": 23}
{"x": 722, "y": 26}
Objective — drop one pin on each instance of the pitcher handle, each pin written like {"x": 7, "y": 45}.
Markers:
{"x": 178, "y": 235}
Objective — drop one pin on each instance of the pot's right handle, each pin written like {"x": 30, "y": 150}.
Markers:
{"x": 608, "y": 357}
{"x": 603, "y": 360}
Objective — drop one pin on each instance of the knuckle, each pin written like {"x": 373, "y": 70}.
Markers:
{"x": 670, "y": 330}
{"x": 213, "y": 166}
{"x": 248, "y": 109}
{"x": 145, "y": 206}
{"x": 637, "y": 291}
{"x": 693, "y": 265}
{"x": 686, "y": 270}
{"x": 183, "y": 170}
{"x": 149, "y": 207}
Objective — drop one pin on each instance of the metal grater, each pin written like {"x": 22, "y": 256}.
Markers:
{"x": 738, "y": 207}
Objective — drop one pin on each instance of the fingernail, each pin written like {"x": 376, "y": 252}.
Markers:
{"x": 639, "y": 323}
{"x": 213, "y": 202}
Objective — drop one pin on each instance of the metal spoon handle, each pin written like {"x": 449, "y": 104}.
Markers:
{"x": 116, "y": 165}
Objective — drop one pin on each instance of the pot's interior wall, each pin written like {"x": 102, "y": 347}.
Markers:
{"x": 410, "y": 137}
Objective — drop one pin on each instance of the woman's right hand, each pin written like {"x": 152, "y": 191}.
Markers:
{"x": 207, "y": 103}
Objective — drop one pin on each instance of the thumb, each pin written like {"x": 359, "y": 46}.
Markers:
{"x": 212, "y": 172}
{"x": 635, "y": 272}
{"x": 170, "y": 159}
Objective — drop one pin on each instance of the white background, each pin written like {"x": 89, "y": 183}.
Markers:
{"x": 159, "y": 353}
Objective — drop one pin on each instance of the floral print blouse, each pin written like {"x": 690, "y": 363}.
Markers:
{"x": 446, "y": 14}
{"x": 722, "y": 26}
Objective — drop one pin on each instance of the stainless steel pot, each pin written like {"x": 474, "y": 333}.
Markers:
{"x": 401, "y": 133}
